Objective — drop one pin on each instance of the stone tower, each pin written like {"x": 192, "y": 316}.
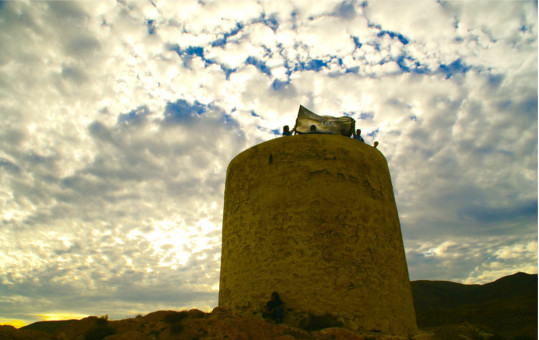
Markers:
{"x": 314, "y": 218}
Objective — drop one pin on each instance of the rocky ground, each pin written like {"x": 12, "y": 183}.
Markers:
{"x": 218, "y": 324}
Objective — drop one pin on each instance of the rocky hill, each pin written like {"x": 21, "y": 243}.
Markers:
{"x": 503, "y": 309}
{"x": 506, "y": 307}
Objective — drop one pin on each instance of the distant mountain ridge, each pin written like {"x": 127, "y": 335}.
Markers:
{"x": 507, "y": 306}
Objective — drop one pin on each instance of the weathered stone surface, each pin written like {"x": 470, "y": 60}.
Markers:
{"x": 314, "y": 218}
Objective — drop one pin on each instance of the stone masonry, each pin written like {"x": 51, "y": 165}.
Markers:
{"x": 314, "y": 218}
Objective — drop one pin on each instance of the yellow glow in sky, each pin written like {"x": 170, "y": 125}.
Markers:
{"x": 44, "y": 317}
{"x": 60, "y": 316}
{"x": 13, "y": 322}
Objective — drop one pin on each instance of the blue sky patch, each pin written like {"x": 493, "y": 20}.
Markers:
{"x": 278, "y": 84}
{"x": 394, "y": 35}
{"x": 222, "y": 41}
{"x": 190, "y": 51}
{"x": 271, "y": 22}
{"x": 285, "y": 88}
{"x": 401, "y": 61}
{"x": 408, "y": 64}
{"x": 219, "y": 42}
{"x": 227, "y": 70}
{"x": 455, "y": 67}
{"x": 258, "y": 64}
{"x": 374, "y": 133}
{"x": 195, "y": 50}
{"x": 186, "y": 54}
{"x": 357, "y": 43}
{"x": 150, "y": 25}
{"x": 289, "y": 68}
{"x": 181, "y": 111}
{"x": 485, "y": 214}
{"x": 134, "y": 117}
{"x": 230, "y": 120}
{"x": 312, "y": 65}
{"x": 366, "y": 115}
{"x": 316, "y": 65}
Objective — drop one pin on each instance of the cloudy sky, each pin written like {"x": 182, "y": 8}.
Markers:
{"x": 118, "y": 121}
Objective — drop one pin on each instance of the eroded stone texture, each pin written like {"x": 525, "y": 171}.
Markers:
{"x": 313, "y": 217}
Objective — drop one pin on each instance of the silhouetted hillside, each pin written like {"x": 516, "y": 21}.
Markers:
{"x": 48, "y": 326}
{"x": 507, "y": 306}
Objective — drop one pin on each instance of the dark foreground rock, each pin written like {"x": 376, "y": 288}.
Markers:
{"x": 219, "y": 324}
{"x": 193, "y": 324}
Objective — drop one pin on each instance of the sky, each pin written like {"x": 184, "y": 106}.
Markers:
{"x": 118, "y": 121}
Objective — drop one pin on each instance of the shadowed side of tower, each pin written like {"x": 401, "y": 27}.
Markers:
{"x": 314, "y": 218}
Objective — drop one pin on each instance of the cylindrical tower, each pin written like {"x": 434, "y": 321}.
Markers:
{"x": 314, "y": 218}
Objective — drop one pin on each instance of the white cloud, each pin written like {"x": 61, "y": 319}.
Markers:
{"x": 325, "y": 36}
{"x": 259, "y": 34}
{"x": 506, "y": 260}
{"x": 234, "y": 54}
{"x": 442, "y": 250}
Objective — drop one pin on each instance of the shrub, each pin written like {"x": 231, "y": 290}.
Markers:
{"x": 197, "y": 314}
{"x": 102, "y": 320}
{"x": 155, "y": 334}
{"x": 176, "y": 327}
{"x": 175, "y": 320}
{"x": 98, "y": 332}
{"x": 174, "y": 317}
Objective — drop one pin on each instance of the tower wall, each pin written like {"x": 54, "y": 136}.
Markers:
{"x": 314, "y": 218}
